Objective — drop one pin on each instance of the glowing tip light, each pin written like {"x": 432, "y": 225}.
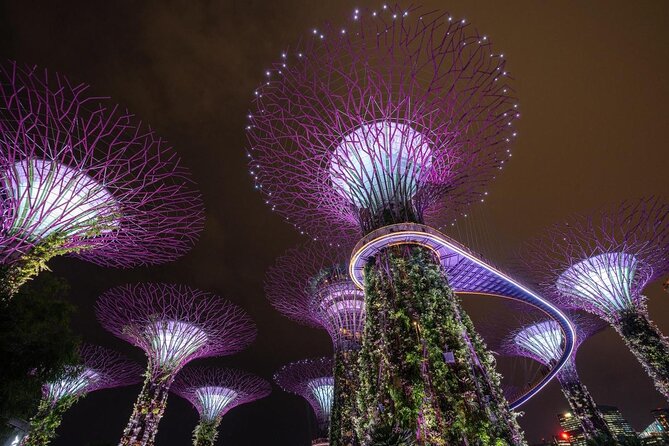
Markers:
{"x": 173, "y": 341}
{"x": 214, "y": 400}
{"x": 322, "y": 389}
{"x": 604, "y": 281}
{"x": 380, "y": 163}
{"x": 52, "y": 198}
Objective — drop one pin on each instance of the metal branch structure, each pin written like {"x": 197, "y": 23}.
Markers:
{"x": 100, "y": 368}
{"x": 401, "y": 116}
{"x": 544, "y": 342}
{"x": 601, "y": 263}
{"x": 215, "y": 391}
{"x": 173, "y": 324}
{"x": 311, "y": 285}
{"x": 81, "y": 176}
{"x": 313, "y": 380}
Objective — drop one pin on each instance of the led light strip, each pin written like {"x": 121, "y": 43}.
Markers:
{"x": 444, "y": 248}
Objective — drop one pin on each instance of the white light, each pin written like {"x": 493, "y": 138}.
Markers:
{"x": 379, "y": 163}
{"x": 603, "y": 281}
{"x": 322, "y": 389}
{"x": 174, "y": 341}
{"x": 50, "y": 197}
{"x": 544, "y": 340}
{"x": 214, "y": 400}
{"x": 71, "y": 385}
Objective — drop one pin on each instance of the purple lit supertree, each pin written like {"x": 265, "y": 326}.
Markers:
{"x": 81, "y": 176}
{"x": 312, "y": 379}
{"x": 601, "y": 264}
{"x": 543, "y": 341}
{"x": 311, "y": 285}
{"x": 213, "y": 392}
{"x": 99, "y": 368}
{"x": 173, "y": 324}
{"x": 374, "y": 128}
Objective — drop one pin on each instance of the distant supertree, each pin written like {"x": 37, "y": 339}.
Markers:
{"x": 100, "y": 368}
{"x": 311, "y": 285}
{"x": 544, "y": 342}
{"x": 213, "y": 392}
{"x": 601, "y": 264}
{"x": 82, "y": 176}
{"x": 401, "y": 117}
{"x": 313, "y": 380}
{"x": 173, "y": 324}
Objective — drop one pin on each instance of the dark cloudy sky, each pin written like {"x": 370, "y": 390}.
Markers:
{"x": 592, "y": 82}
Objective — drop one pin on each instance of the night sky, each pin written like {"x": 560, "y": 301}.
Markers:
{"x": 591, "y": 78}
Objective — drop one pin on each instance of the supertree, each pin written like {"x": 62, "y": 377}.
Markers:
{"x": 374, "y": 128}
{"x": 173, "y": 324}
{"x": 81, "y": 176}
{"x": 213, "y": 392}
{"x": 544, "y": 342}
{"x": 99, "y": 368}
{"x": 311, "y": 285}
{"x": 311, "y": 379}
{"x": 601, "y": 263}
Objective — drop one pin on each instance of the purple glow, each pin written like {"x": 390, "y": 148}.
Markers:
{"x": 311, "y": 285}
{"x": 215, "y": 391}
{"x": 542, "y": 341}
{"x": 312, "y": 380}
{"x": 467, "y": 273}
{"x": 100, "y": 369}
{"x": 364, "y": 130}
{"x": 174, "y": 324}
{"x": 79, "y": 166}
{"x": 601, "y": 263}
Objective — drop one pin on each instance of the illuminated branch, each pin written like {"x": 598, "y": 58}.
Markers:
{"x": 311, "y": 379}
{"x": 173, "y": 324}
{"x": 601, "y": 263}
{"x": 311, "y": 285}
{"x": 213, "y": 392}
{"x": 403, "y": 116}
{"x": 81, "y": 176}
{"x": 100, "y": 368}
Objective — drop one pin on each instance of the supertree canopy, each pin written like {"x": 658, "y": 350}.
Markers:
{"x": 311, "y": 285}
{"x": 213, "y": 392}
{"x": 544, "y": 342}
{"x": 173, "y": 324}
{"x": 601, "y": 263}
{"x": 312, "y": 380}
{"x": 81, "y": 176}
{"x": 100, "y": 368}
{"x": 403, "y": 116}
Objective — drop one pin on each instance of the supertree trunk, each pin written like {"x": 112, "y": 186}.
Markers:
{"x": 342, "y": 430}
{"x": 423, "y": 368}
{"x": 649, "y": 346}
{"x": 47, "y": 419}
{"x": 206, "y": 431}
{"x": 149, "y": 408}
{"x": 583, "y": 406}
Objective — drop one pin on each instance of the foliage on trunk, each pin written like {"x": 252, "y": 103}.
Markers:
{"x": 148, "y": 411}
{"x": 342, "y": 430}
{"x": 206, "y": 431}
{"x": 47, "y": 419}
{"x": 583, "y": 406}
{"x": 423, "y": 367}
{"x": 649, "y": 346}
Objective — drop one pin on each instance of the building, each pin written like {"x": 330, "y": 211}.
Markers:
{"x": 617, "y": 423}
{"x": 619, "y": 426}
{"x": 572, "y": 433}
{"x": 657, "y": 433}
